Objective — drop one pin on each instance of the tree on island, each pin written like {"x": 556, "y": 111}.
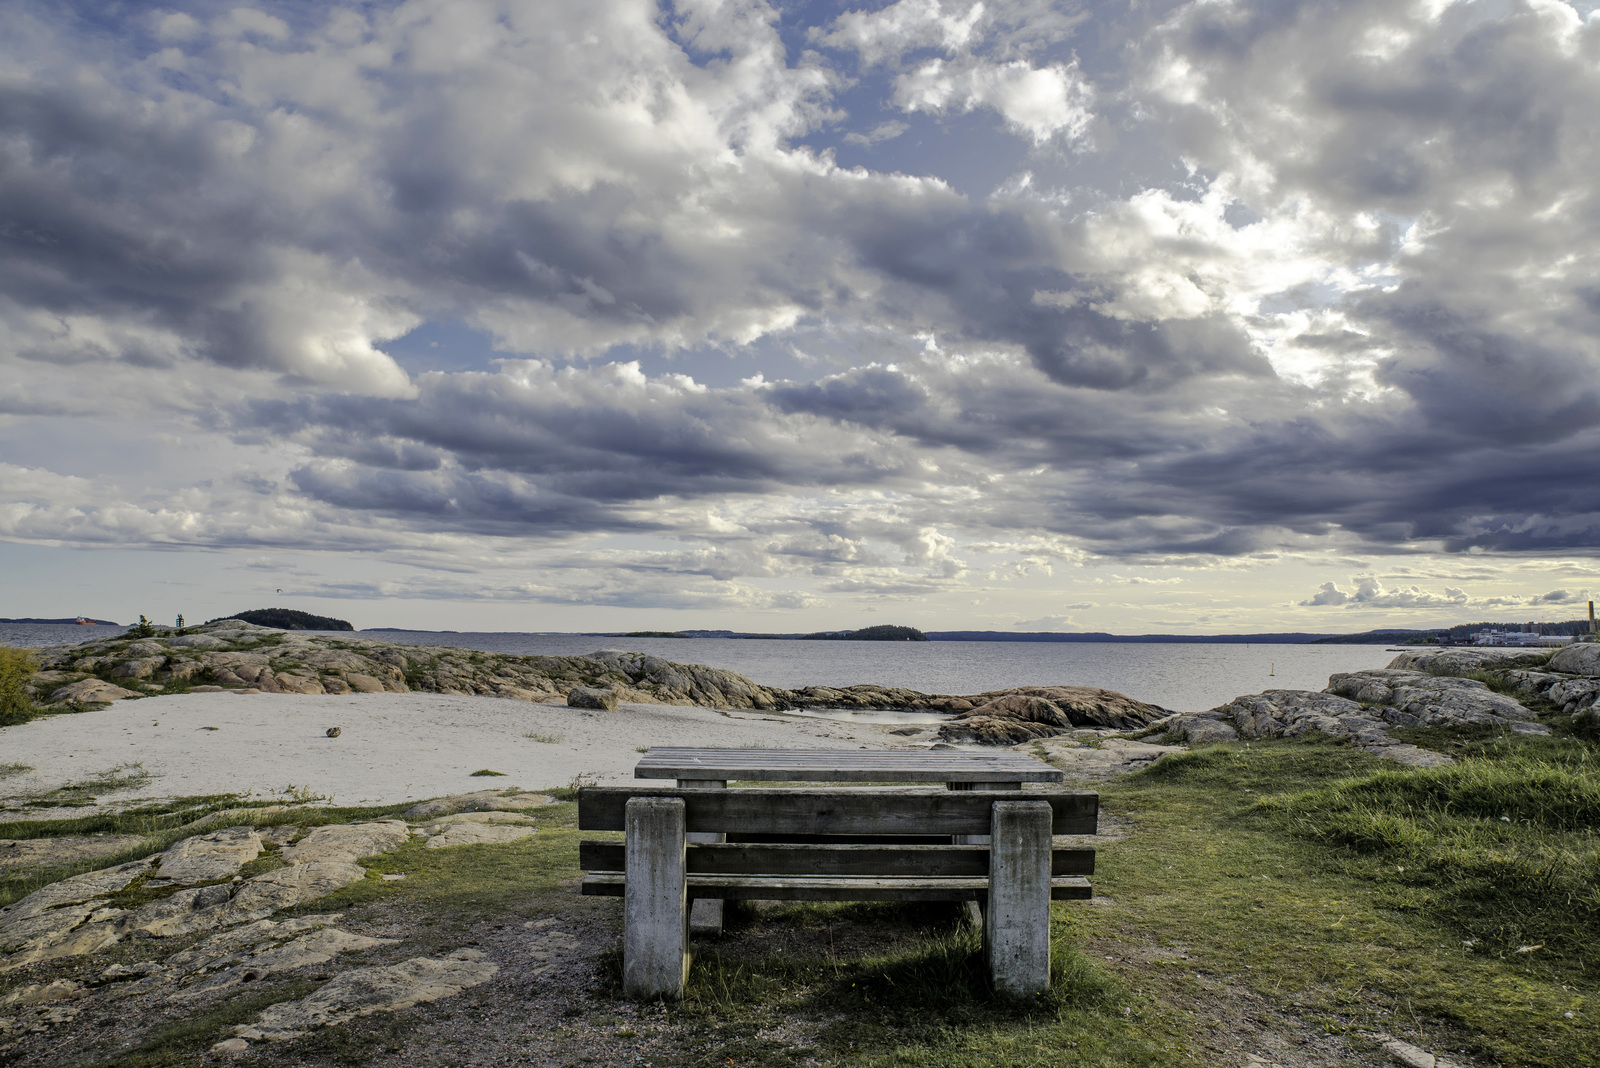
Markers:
{"x": 883, "y": 632}
{"x": 287, "y": 619}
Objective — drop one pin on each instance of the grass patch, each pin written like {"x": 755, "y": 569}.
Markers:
{"x": 113, "y": 780}
{"x": 1279, "y": 866}
{"x": 1503, "y": 847}
{"x": 179, "y": 1041}
{"x": 485, "y": 771}
{"x": 548, "y": 739}
{"x": 8, "y": 770}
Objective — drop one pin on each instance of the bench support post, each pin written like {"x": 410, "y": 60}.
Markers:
{"x": 1016, "y": 925}
{"x": 655, "y": 948}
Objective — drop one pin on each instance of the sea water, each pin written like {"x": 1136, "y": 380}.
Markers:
{"x": 1184, "y": 677}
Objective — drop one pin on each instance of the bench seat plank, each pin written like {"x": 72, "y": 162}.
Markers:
{"x": 838, "y": 888}
{"x": 919, "y": 861}
{"x": 841, "y": 811}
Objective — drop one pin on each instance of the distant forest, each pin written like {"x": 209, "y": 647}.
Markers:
{"x": 882, "y": 633}
{"x": 1461, "y": 632}
{"x": 287, "y": 619}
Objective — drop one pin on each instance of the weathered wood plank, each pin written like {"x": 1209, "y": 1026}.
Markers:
{"x": 922, "y": 861}
{"x": 756, "y": 888}
{"x": 843, "y": 811}
{"x": 842, "y": 765}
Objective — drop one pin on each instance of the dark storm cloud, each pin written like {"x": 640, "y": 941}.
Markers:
{"x": 540, "y": 450}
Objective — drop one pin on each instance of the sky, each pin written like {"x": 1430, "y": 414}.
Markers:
{"x": 1138, "y": 316}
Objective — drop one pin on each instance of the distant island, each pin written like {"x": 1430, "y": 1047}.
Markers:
{"x": 74, "y": 619}
{"x": 1457, "y": 634}
{"x": 884, "y": 632}
{"x": 287, "y": 619}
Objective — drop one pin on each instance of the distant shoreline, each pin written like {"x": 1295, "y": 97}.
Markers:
{"x": 1287, "y": 638}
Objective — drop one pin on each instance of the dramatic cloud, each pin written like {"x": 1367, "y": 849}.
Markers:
{"x": 734, "y": 307}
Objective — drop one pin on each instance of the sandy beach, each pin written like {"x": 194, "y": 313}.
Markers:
{"x": 391, "y": 747}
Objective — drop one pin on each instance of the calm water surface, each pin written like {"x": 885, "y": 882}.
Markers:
{"x": 1183, "y": 677}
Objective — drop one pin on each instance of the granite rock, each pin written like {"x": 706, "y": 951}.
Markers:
{"x": 1415, "y": 698}
{"x": 1580, "y": 658}
{"x": 1464, "y": 660}
{"x": 590, "y": 697}
{"x": 364, "y": 991}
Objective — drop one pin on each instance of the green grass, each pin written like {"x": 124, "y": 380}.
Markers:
{"x": 1369, "y": 897}
{"x": 486, "y": 772}
{"x": 548, "y": 739}
{"x": 1505, "y": 847}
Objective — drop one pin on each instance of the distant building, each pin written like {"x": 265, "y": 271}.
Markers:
{"x": 1518, "y": 637}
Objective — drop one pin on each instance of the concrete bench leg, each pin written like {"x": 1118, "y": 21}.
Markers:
{"x": 1016, "y": 928}
{"x": 655, "y": 945}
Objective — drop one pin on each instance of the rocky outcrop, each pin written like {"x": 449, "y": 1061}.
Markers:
{"x": 1569, "y": 679}
{"x": 1464, "y": 660}
{"x": 41, "y": 853}
{"x": 1290, "y": 713}
{"x": 364, "y": 991}
{"x": 90, "y": 691}
{"x": 233, "y": 655}
{"x": 1013, "y": 716}
{"x": 1582, "y": 658}
{"x": 208, "y": 892}
{"x": 208, "y": 857}
{"x": 1364, "y": 705}
{"x": 478, "y": 828}
{"x": 1414, "y": 698}
{"x": 481, "y": 801}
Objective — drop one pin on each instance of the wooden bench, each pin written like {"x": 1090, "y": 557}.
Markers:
{"x": 836, "y": 845}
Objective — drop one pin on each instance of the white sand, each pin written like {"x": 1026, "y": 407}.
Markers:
{"x": 393, "y": 747}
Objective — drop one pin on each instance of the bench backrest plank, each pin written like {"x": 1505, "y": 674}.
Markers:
{"x": 841, "y": 811}
{"x": 927, "y": 861}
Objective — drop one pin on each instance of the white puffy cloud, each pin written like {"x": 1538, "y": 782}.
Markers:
{"x": 1369, "y": 592}
{"x": 890, "y": 32}
{"x": 1042, "y": 102}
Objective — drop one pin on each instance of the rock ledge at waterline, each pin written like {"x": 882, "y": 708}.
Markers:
{"x": 1417, "y": 689}
{"x": 239, "y": 656}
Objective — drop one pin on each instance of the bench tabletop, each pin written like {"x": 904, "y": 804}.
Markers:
{"x": 843, "y": 765}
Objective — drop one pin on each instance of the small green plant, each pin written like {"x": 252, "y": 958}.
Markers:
{"x": 548, "y": 739}
{"x": 17, "y": 666}
{"x": 8, "y": 770}
{"x": 144, "y": 628}
{"x": 486, "y": 771}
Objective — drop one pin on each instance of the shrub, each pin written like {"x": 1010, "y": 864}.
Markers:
{"x": 17, "y": 666}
